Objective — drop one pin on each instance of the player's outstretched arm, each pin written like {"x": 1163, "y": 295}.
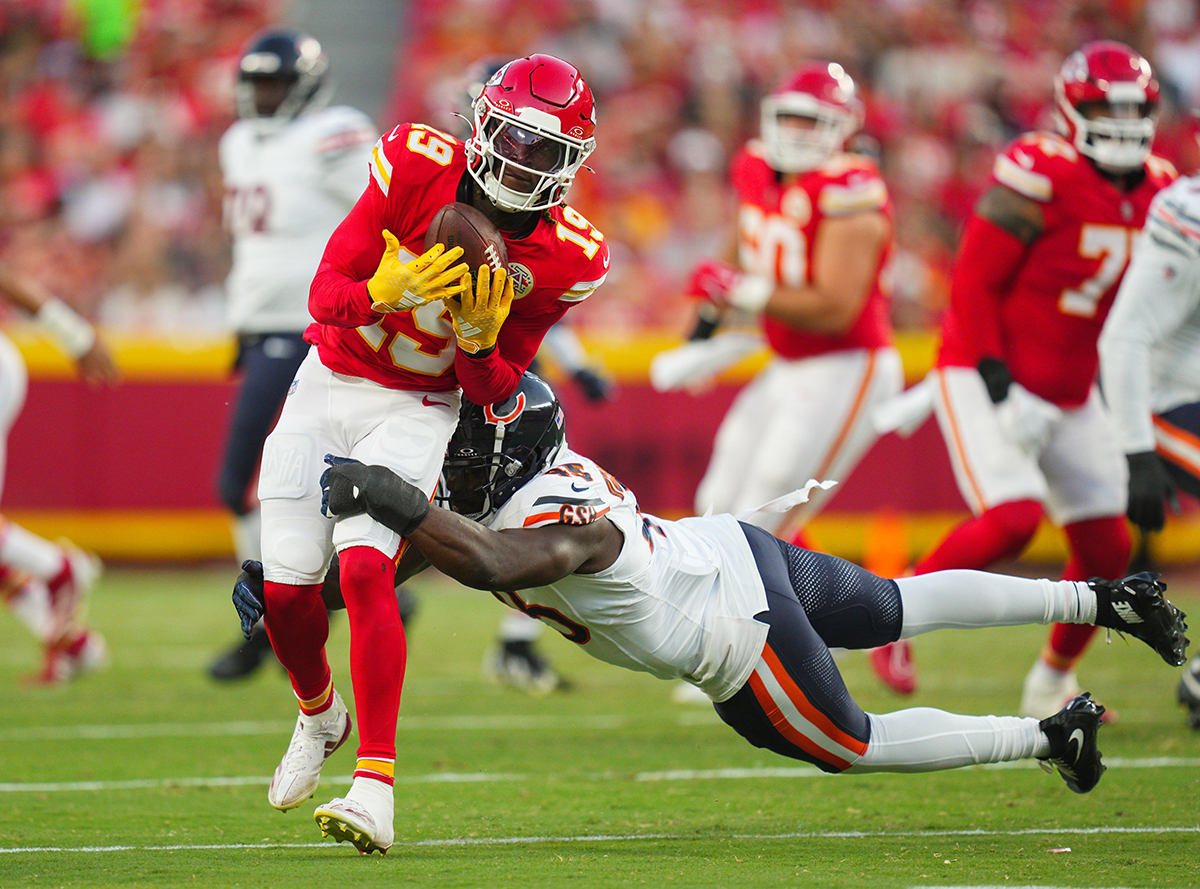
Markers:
{"x": 74, "y": 333}
{"x": 472, "y": 554}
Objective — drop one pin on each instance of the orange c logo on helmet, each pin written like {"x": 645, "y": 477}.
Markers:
{"x": 518, "y": 409}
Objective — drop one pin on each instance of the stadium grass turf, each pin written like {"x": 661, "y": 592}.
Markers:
{"x": 151, "y": 774}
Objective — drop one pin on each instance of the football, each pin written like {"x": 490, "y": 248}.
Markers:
{"x": 461, "y": 225}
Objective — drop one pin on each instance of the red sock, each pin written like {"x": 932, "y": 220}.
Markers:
{"x": 1099, "y": 548}
{"x": 298, "y": 625}
{"x": 1001, "y": 532}
{"x": 377, "y": 648}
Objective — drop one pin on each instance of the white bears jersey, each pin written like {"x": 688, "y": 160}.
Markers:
{"x": 679, "y": 602}
{"x": 1150, "y": 345}
{"x": 285, "y": 193}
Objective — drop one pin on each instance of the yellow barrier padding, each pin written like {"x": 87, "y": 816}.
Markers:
{"x": 210, "y": 357}
{"x": 136, "y": 535}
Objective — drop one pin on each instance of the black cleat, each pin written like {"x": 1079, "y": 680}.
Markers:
{"x": 244, "y": 658}
{"x": 516, "y": 664}
{"x": 1188, "y": 692}
{"x": 1136, "y": 605}
{"x": 1072, "y": 735}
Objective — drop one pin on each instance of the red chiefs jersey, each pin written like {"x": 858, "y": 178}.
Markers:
{"x": 1047, "y": 317}
{"x": 415, "y": 171}
{"x": 777, "y": 224}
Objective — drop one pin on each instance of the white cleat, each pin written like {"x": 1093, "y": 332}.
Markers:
{"x": 1047, "y": 691}
{"x": 314, "y": 739}
{"x": 348, "y": 820}
{"x": 68, "y": 595}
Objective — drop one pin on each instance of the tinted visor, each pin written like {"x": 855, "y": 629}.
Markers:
{"x": 528, "y": 148}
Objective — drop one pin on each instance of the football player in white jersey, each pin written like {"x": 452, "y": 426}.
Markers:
{"x": 292, "y": 168}
{"x": 1150, "y": 369}
{"x": 746, "y": 617}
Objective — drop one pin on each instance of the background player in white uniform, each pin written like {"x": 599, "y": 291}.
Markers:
{"x": 744, "y": 616}
{"x": 45, "y": 584}
{"x": 292, "y": 169}
{"x": 1150, "y": 369}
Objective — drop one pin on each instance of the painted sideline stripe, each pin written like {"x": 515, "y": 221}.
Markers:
{"x": 803, "y": 771}
{"x": 213, "y": 729}
{"x": 636, "y": 837}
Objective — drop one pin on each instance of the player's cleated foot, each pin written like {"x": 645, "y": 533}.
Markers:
{"x": 69, "y": 589}
{"x": 313, "y": 740}
{"x": 80, "y": 652}
{"x": 1046, "y": 691}
{"x": 517, "y": 665}
{"x": 1136, "y": 605}
{"x": 243, "y": 658}
{"x": 1188, "y": 691}
{"x": 1072, "y": 734}
{"x": 348, "y": 820}
{"x": 893, "y": 663}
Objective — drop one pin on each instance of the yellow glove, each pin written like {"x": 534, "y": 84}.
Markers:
{"x": 477, "y": 318}
{"x": 398, "y": 286}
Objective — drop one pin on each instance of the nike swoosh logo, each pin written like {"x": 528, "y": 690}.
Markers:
{"x": 578, "y": 490}
{"x": 1076, "y": 737}
{"x": 430, "y": 402}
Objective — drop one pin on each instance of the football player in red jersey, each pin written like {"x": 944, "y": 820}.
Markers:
{"x": 1015, "y": 388}
{"x": 394, "y": 351}
{"x": 814, "y": 232}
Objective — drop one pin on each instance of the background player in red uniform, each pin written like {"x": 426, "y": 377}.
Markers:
{"x": 393, "y": 346}
{"x": 814, "y": 232}
{"x": 1015, "y": 383}
{"x": 46, "y": 584}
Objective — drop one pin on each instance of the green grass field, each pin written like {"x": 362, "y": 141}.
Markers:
{"x": 151, "y": 774}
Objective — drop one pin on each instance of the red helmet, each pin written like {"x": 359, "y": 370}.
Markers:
{"x": 535, "y": 120}
{"x": 820, "y": 91}
{"x": 1107, "y": 104}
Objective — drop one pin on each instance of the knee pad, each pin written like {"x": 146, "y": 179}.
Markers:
{"x": 294, "y": 558}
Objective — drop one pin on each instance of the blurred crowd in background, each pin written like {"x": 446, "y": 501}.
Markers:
{"x": 111, "y": 111}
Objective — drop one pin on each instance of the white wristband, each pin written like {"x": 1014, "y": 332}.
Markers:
{"x": 751, "y": 293}
{"x": 72, "y": 330}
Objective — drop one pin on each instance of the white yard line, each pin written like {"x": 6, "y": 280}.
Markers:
{"x": 610, "y": 838}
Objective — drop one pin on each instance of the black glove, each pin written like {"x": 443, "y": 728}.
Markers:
{"x": 996, "y": 377}
{"x": 349, "y": 488}
{"x": 594, "y": 386}
{"x": 1150, "y": 485}
{"x": 248, "y": 596}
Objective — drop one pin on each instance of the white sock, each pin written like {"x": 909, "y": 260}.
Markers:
{"x": 27, "y": 551}
{"x": 31, "y": 606}
{"x": 518, "y": 627}
{"x": 922, "y": 739}
{"x": 973, "y": 599}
